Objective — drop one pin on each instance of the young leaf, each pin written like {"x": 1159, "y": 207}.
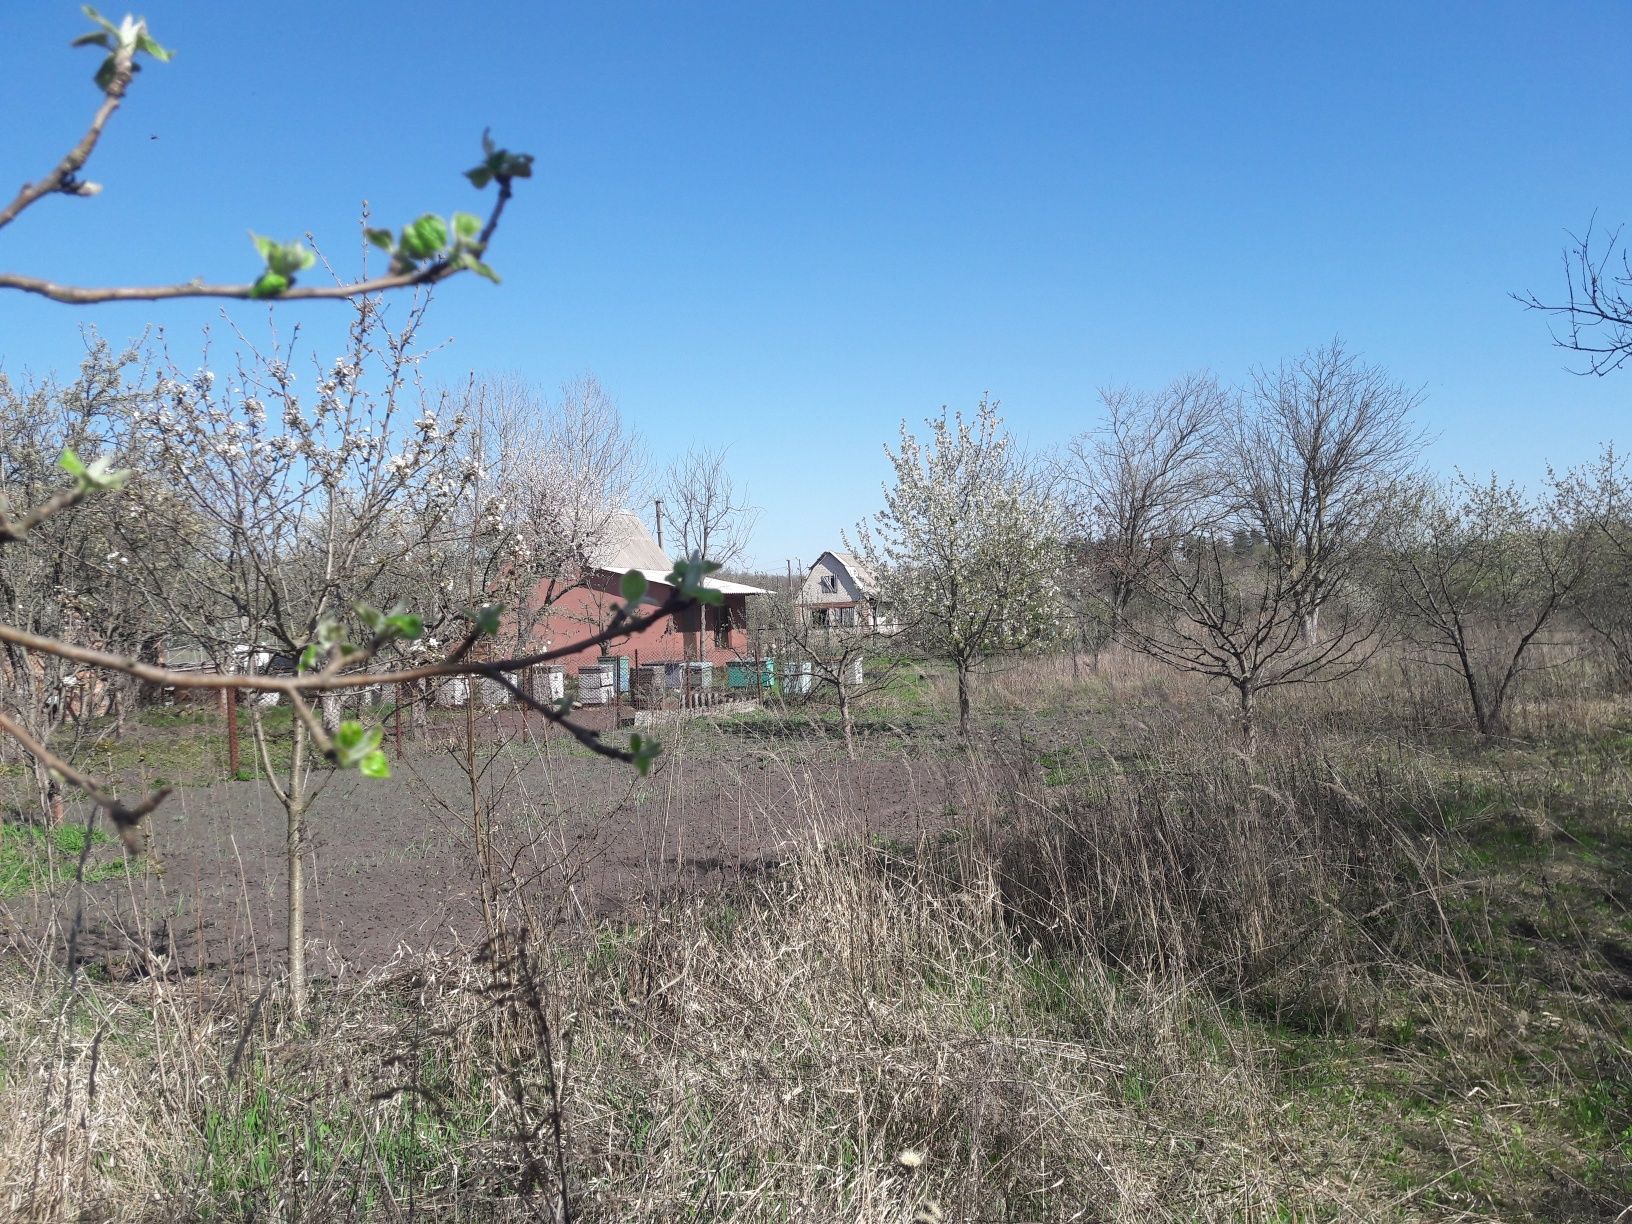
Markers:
{"x": 144, "y": 42}
{"x": 358, "y": 746}
{"x": 515, "y": 165}
{"x": 100, "y": 20}
{"x": 348, "y": 737}
{"x": 288, "y": 258}
{"x": 466, "y": 226}
{"x": 425, "y": 237}
{"x": 405, "y": 625}
{"x": 96, "y": 477}
{"x": 380, "y": 238}
{"x": 71, "y": 463}
{"x": 269, "y": 284}
{"x": 634, "y": 586}
{"x": 644, "y": 751}
{"x": 487, "y": 619}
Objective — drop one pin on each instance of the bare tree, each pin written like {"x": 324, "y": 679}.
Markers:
{"x": 1131, "y": 486}
{"x": 1478, "y": 576}
{"x": 1317, "y": 454}
{"x": 849, "y": 664}
{"x": 1268, "y": 525}
{"x": 1216, "y": 609}
{"x": 1597, "y": 306}
{"x": 1595, "y": 500}
{"x": 705, "y": 512}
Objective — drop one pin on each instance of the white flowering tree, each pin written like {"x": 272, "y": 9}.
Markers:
{"x": 967, "y": 549}
{"x": 69, "y": 575}
{"x": 550, "y": 475}
{"x": 298, "y": 516}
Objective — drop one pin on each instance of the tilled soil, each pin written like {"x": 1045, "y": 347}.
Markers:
{"x": 392, "y": 865}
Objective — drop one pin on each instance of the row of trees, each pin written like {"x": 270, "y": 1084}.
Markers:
{"x": 1276, "y": 534}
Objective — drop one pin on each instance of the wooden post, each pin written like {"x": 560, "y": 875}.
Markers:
{"x": 229, "y": 699}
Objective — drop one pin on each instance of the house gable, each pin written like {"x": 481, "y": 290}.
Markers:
{"x": 832, "y": 580}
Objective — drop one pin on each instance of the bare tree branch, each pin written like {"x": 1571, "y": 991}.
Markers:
{"x": 61, "y": 178}
{"x": 342, "y": 291}
{"x": 1597, "y": 311}
{"x": 125, "y": 818}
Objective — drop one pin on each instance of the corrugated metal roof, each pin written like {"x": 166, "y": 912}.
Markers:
{"x": 722, "y": 585}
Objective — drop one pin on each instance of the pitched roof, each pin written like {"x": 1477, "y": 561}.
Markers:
{"x": 859, "y": 570}
{"x": 626, "y": 545}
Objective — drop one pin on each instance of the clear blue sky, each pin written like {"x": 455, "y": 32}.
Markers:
{"x": 789, "y": 226}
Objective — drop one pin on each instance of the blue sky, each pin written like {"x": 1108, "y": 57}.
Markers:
{"x": 787, "y": 227}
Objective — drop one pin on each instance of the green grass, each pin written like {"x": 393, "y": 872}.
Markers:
{"x": 33, "y": 857}
{"x": 376, "y": 1150}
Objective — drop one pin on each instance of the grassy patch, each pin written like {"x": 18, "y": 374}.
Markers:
{"x": 33, "y": 857}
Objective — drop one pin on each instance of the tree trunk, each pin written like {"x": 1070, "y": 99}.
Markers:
{"x": 1244, "y": 692}
{"x": 847, "y": 720}
{"x": 963, "y": 698}
{"x": 295, "y": 851}
{"x": 1484, "y": 717}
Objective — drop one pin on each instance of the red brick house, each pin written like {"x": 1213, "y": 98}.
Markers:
{"x": 707, "y": 633}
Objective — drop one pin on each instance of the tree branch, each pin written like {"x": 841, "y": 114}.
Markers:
{"x": 320, "y": 682}
{"x": 61, "y": 177}
{"x": 125, "y": 818}
{"x": 13, "y": 530}
{"x": 80, "y": 296}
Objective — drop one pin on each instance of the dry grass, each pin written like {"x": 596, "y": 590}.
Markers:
{"x": 1145, "y": 977}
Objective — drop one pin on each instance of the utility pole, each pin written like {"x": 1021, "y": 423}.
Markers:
{"x": 657, "y": 505}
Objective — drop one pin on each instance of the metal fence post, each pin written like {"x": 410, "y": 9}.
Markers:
{"x": 229, "y": 700}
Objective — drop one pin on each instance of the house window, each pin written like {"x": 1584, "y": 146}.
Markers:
{"x": 844, "y": 618}
{"x": 830, "y": 584}
{"x": 818, "y": 618}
